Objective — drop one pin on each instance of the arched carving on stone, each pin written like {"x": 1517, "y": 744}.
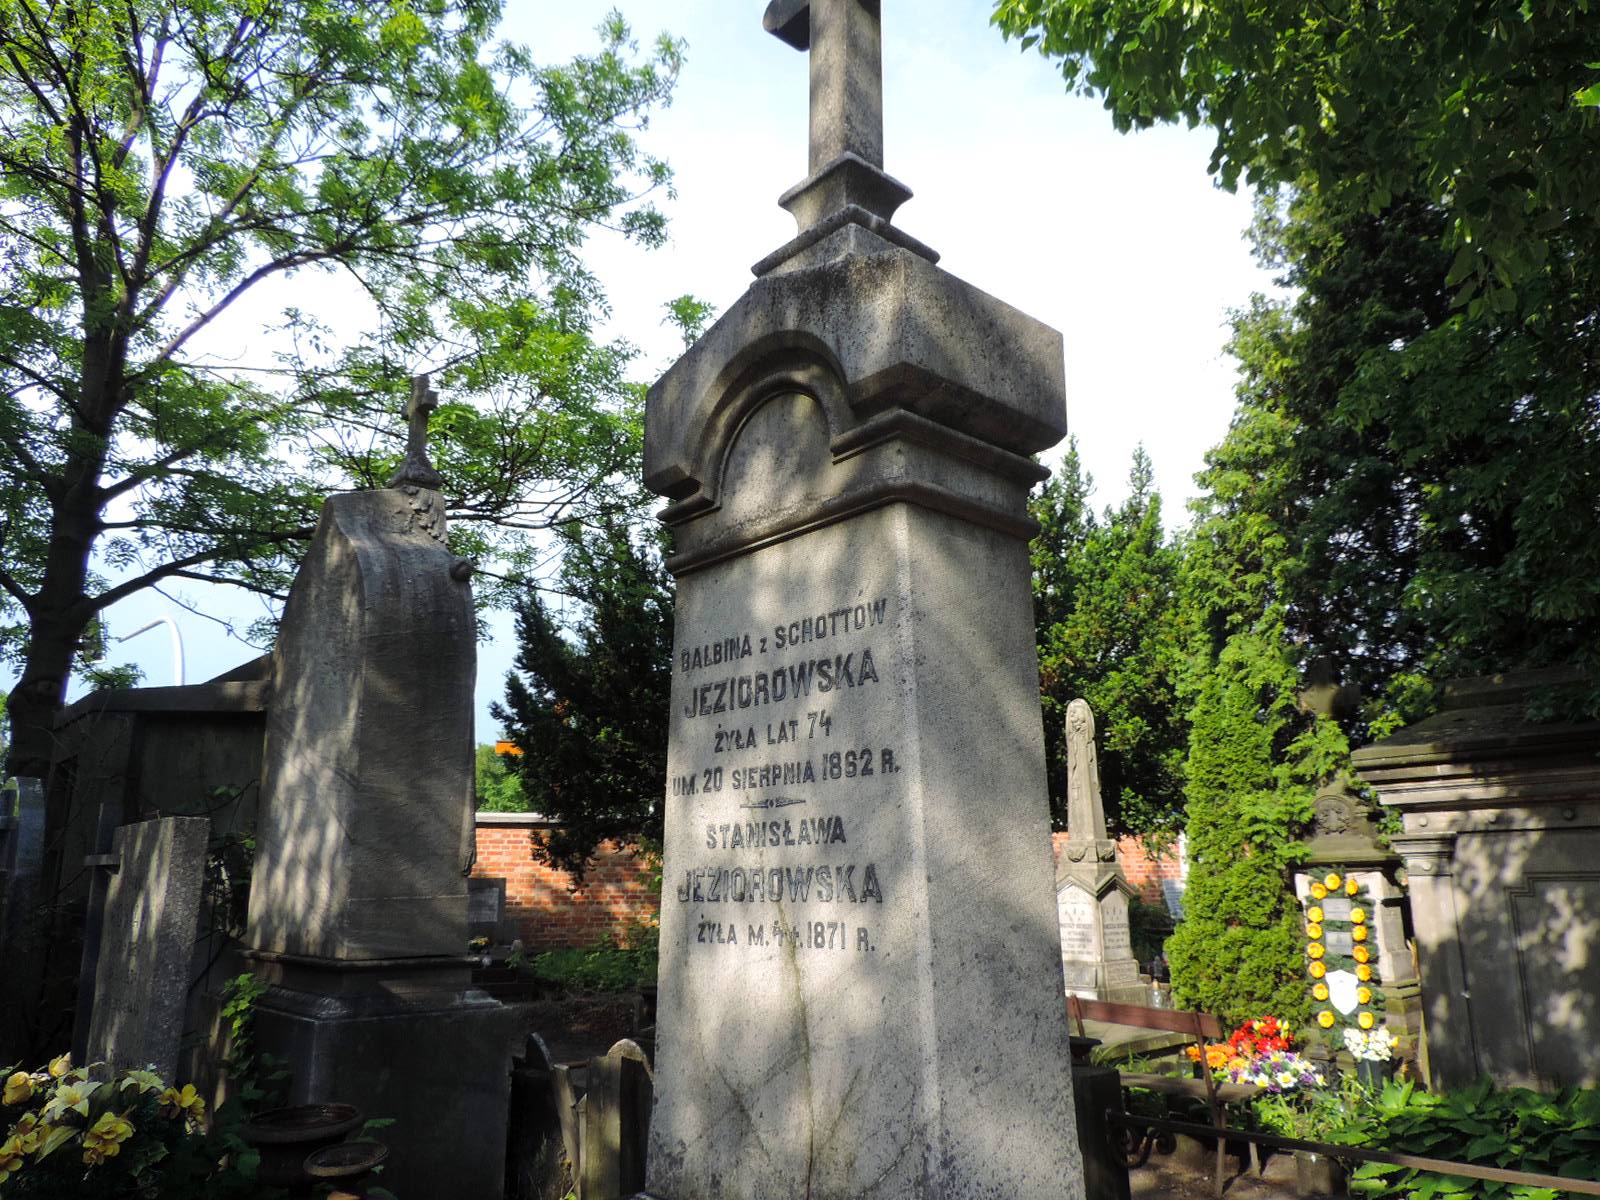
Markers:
{"x": 781, "y": 363}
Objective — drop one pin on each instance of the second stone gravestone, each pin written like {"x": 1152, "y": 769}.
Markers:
{"x": 147, "y": 944}
{"x": 1092, "y": 894}
{"x": 861, "y": 991}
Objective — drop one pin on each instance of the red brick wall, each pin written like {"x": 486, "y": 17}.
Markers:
{"x": 616, "y": 893}
{"x": 1141, "y": 869}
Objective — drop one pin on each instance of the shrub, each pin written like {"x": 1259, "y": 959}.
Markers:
{"x": 605, "y": 967}
{"x": 1516, "y": 1128}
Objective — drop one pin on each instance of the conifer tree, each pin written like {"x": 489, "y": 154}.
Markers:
{"x": 1106, "y": 616}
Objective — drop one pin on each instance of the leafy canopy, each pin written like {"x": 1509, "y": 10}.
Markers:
{"x": 1478, "y": 109}
{"x": 162, "y": 159}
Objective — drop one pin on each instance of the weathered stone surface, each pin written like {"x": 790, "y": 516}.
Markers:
{"x": 1092, "y": 893}
{"x": 1502, "y": 834}
{"x": 147, "y": 943}
{"x": 358, "y": 909}
{"x": 366, "y": 810}
{"x": 861, "y": 993}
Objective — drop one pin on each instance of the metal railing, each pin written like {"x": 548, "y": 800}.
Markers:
{"x": 1438, "y": 1166}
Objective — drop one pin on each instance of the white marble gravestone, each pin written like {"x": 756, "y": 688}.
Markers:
{"x": 860, "y": 990}
{"x": 1091, "y": 891}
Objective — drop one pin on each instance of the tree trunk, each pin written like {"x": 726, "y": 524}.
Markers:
{"x": 60, "y": 611}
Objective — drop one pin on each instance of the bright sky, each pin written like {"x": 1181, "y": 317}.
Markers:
{"x": 1119, "y": 241}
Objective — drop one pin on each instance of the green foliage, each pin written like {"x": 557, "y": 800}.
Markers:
{"x": 1517, "y": 1129}
{"x": 161, "y": 159}
{"x": 1106, "y": 614}
{"x": 1472, "y": 109}
{"x": 587, "y": 704}
{"x": 1343, "y": 1113}
{"x": 65, "y": 1135}
{"x": 1237, "y": 950}
{"x": 499, "y": 787}
{"x": 606, "y": 967}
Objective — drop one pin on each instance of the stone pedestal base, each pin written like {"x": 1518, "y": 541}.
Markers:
{"x": 407, "y": 1040}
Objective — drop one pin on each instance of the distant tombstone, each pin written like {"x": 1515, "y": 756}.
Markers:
{"x": 147, "y": 943}
{"x": 1091, "y": 891}
{"x": 486, "y": 907}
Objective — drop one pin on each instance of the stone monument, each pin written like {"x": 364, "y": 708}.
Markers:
{"x": 1344, "y": 838}
{"x": 358, "y": 904}
{"x": 860, "y": 989}
{"x": 1092, "y": 893}
{"x": 1500, "y": 849}
{"x": 147, "y": 944}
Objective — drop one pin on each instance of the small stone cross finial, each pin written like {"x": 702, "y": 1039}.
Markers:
{"x": 846, "y": 185}
{"x": 416, "y": 470}
{"x": 845, "y": 38}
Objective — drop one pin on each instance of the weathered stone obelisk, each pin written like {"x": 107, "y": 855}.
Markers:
{"x": 861, "y": 989}
{"x": 1091, "y": 891}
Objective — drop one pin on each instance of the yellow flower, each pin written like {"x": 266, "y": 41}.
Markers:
{"x": 1318, "y": 970}
{"x": 1366, "y": 1020}
{"x": 1315, "y": 950}
{"x": 104, "y": 1138}
{"x": 60, "y": 1066}
{"x": 1361, "y": 954}
{"x": 1332, "y": 881}
{"x": 11, "y": 1152}
{"x": 1363, "y": 972}
{"x": 1364, "y": 995}
{"x": 186, "y": 1101}
{"x": 1320, "y": 992}
{"x": 69, "y": 1097}
{"x": 1313, "y": 930}
{"x": 18, "y": 1088}
{"x": 1325, "y": 1019}
{"x": 1318, "y": 892}
{"x": 29, "y": 1132}
{"x": 1351, "y": 886}
{"x": 1358, "y": 916}
{"x": 1314, "y": 914}
{"x": 1359, "y": 933}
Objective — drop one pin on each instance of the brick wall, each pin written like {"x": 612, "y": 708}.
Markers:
{"x": 616, "y": 892}
{"x": 1145, "y": 872}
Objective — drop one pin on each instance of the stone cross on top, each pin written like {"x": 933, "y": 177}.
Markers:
{"x": 416, "y": 470}
{"x": 847, "y": 185}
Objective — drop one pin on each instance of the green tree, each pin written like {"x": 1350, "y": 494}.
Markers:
{"x": 1478, "y": 110}
{"x": 587, "y": 704}
{"x": 1237, "y": 950}
{"x": 499, "y": 788}
{"x": 1107, "y": 624}
{"x": 162, "y": 159}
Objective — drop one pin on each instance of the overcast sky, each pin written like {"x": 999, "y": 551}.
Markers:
{"x": 1120, "y": 241}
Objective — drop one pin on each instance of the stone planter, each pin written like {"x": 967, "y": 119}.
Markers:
{"x": 1317, "y": 1175}
{"x": 285, "y": 1136}
{"x": 348, "y": 1166}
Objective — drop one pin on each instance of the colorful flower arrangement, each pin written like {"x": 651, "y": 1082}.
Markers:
{"x": 1261, "y": 1052}
{"x": 106, "y": 1134}
{"x": 1332, "y": 970}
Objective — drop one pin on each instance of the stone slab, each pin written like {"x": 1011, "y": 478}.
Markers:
{"x": 147, "y": 944}
{"x": 366, "y": 795}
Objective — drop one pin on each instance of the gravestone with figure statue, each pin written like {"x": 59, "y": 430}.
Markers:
{"x": 1092, "y": 893}
{"x": 860, "y": 987}
{"x": 359, "y": 903}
